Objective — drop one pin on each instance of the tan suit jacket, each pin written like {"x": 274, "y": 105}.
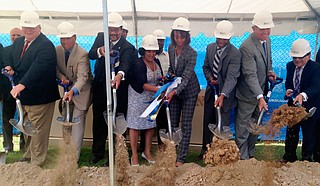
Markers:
{"x": 77, "y": 70}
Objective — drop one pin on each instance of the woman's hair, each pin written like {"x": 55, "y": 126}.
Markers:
{"x": 141, "y": 51}
{"x": 184, "y": 34}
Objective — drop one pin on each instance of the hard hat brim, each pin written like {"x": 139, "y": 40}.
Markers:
{"x": 221, "y": 36}
{"x": 270, "y": 25}
{"x": 297, "y": 54}
{"x": 182, "y": 29}
{"x": 29, "y": 25}
{"x": 66, "y": 35}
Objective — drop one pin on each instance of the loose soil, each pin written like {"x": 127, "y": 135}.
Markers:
{"x": 163, "y": 172}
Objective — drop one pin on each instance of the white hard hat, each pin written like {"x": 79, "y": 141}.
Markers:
{"x": 29, "y": 19}
{"x": 181, "y": 24}
{"x": 159, "y": 34}
{"x": 224, "y": 30}
{"x": 124, "y": 26}
{"x": 300, "y": 48}
{"x": 114, "y": 20}
{"x": 150, "y": 42}
{"x": 65, "y": 30}
{"x": 263, "y": 19}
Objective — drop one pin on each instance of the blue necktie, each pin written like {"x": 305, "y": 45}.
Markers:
{"x": 66, "y": 55}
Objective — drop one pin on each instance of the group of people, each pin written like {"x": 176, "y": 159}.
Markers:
{"x": 241, "y": 75}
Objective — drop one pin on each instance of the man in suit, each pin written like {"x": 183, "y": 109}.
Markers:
{"x": 221, "y": 68}
{"x": 182, "y": 99}
{"x": 303, "y": 83}
{"x": 74, "y": 65}
{"x": 256, "y": 70}
{"x": 318, "y": 56}
{"x": 127, "y": 56}
{"x": 33, "y": 62}
{"x": 9, "y": 102}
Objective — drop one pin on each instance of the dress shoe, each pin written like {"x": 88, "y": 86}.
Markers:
{"x": 25, "y": 160}
{"x": 134, "y": 165}
{"x": 145, "y": 157}
{"x": 96, "y": 159}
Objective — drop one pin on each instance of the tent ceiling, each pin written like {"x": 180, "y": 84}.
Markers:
{"x": 164, "y": 9}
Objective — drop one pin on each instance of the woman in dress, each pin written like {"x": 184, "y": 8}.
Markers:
{"x": 143, "y": 85}
{"x": 183, "y": 99}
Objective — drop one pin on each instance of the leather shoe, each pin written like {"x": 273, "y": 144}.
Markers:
{"x": 25, "y": 160}
{"x": 96, "y": 159}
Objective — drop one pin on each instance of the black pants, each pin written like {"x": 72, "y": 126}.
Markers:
{"x": 316, "y": 151}
{"x": 308, "y": 140}
{"x": 99, "y": 125}
{"x": 9, "y": 108}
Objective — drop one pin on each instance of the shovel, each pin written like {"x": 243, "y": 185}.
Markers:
{"x": 310, "y": 112}
{"x": 25, "y": 127}
{"x": 219, "y": 131}
{"x": 174, "y": 136}
{"x": 66, "y": 120}
{"x": 254, "y": 127}
{"x": 119, "y": 122}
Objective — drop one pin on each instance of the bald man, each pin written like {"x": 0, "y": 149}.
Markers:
{"x": 9, "y": 103}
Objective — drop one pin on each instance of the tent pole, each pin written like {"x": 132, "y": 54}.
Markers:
{"x": 108, "y": 92}
{"x": 134, "y": 18}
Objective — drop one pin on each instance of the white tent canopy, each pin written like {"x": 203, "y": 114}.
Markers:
{"x": 289, "y": 15}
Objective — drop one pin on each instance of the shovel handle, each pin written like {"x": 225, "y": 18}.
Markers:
{"x": 169, "y": 120}
{"x": 65, "y": 86}
{"x": 260, "y": 116}
{"x": 5, "y": 72}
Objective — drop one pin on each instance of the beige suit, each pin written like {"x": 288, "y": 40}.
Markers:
{"x": 78, "y": 71}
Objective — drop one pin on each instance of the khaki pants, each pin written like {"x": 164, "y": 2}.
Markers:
{"x": 41, "y": 117}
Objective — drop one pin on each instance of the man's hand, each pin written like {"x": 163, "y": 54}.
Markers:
{"x": 16, "y": 90}
{"x": 9, "y": 70}
{"x": 102, "y": 51}
{"x": 64, "y": 81}
{"x": 213, "y": 81}
{"x": 262, "y": 104}
{"x": 289, "y": 93}
{"x": 68, "y": 96}
{"x": 219, "y": 101}
{"x": 272, "y": 76}
{"x": 299, "y": 99}
{"x": 117, "y": 80}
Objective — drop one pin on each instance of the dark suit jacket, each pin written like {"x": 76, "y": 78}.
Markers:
{"x": 309, "y": 83}
{"x": 6, "y": 84}
{"x": 36, "y": 70}
{"x": 189, "y": 86}
{"x": 318, "y": 56}
{"x": 228, "y": 72}
{"x": 128, "y": 54}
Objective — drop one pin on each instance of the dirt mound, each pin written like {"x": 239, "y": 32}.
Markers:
{"x": 221, "y": 152}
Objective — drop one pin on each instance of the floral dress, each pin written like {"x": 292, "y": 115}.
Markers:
{"x": 137, "y": 103}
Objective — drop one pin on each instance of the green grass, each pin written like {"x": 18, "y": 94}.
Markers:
{"x": 264, "y": 151}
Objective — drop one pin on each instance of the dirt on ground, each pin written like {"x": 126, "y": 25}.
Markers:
{"x": 218, "y": 171}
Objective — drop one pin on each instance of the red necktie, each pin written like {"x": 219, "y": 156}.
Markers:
{"x": 25, "y": 46}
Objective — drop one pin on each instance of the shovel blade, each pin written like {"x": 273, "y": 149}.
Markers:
{"x": 62, "y": 121}
{"x": 26, "y": 128}
{"x": 253, "y": 127}
{"x": 225, "y": 133}
{"x": 176, "y": 136}
{"x": 120, "y": 126}
{"x": 3, "y": 156}
{"x": 311, "y": 112}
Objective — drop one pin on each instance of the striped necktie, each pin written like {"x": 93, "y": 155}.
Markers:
{"x": 216, "y": 62}
{"x": 297, "y": 80}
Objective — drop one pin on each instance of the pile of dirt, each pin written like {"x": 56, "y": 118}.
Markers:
{"x": 121, "y": 161}
{"x": 283, "y": 116}
{"x": 221, "y": 152}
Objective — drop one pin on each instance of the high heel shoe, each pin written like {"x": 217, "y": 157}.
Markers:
{"x": 134, "y": 165}
{"x": 145, "y": 157}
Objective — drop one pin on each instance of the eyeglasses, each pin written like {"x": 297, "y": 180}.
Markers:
{"x": 300, "y": 57}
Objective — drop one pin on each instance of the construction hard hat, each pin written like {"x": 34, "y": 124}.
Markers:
{"x": 114, "y": 20}
{"x": 29, "y": 19}
{"x": 300, "y": 48}
{"x": 181, "y": 24}
{"x": 159, "y": 34}
{"x": 224, "y": 30}
{"x": 150, "y": 42}
{"x": 263, "y": 19}
{"x": 124, "y": 26}
{"x": 66, "y": 30}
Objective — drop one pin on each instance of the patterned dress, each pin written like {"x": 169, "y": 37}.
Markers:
{"x": 137, "y": 103}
